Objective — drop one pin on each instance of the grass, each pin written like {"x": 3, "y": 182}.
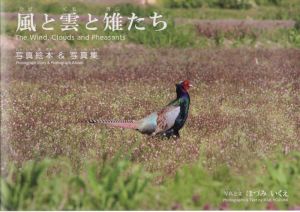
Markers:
{"x": 180, "y": 33}
{"x": 242, "y": 133}
{"x": 244, "y": 105}
{"x": 286, "y": 10}
{"x": 101, "y": 187}
{"x": 120, "y": 185}
{"x": 201, "y": 35}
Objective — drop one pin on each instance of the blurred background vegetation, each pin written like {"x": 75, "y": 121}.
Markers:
{"x": 186, "y": 27}
{"x": 243, "y": 130}
{"x": 121, "y": 185}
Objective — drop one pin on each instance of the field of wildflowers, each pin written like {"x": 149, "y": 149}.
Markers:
{"x": 238, "y": 150}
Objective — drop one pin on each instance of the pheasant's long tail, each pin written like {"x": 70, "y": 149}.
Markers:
{"x": 129, "y": 124}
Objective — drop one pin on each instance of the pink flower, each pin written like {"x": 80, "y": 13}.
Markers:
{"x": 271, "y": 206}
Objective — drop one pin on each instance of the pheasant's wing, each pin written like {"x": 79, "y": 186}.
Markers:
{"x": 161, "y": 121}
{"x": 175, "y": 102}
{"x": 148, "y": 124}
{"x": 166, "y": 118}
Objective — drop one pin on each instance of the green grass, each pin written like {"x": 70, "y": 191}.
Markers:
{"x": 193, "y": 187}
{"x": 106, "y": 185}
{"x": 176, "y": 35}
{"x": 240, "y": 110}
{"x": 119, "y": 185}
{"x": 260, "y": 13}
{"x": 286, "y": 10}
{"x": 241, "y": 134}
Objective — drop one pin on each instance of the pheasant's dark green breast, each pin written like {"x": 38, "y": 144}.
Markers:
{"x": 184, "y": 103}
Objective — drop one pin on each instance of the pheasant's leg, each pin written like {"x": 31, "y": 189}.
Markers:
{"x": 176, "y": 134}
{"x": 169, "y": 133}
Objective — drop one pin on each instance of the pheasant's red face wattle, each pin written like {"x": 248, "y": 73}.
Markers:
{"x": 186, "y": 85}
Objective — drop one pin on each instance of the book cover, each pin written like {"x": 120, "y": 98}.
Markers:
{"x": 150, "y": 105}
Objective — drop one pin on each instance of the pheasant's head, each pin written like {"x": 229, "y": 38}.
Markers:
{"x": 186, "y": 84}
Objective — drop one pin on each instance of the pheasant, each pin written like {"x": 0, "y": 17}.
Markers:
{"x": 166, "y": 122}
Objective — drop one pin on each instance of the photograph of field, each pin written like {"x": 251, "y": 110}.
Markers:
{"x": 239, "y": 148}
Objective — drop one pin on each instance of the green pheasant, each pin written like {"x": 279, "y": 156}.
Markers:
{"x": 166, "y": 122}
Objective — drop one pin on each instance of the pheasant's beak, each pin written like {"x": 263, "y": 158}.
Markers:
{"x": 190, "y": 85}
